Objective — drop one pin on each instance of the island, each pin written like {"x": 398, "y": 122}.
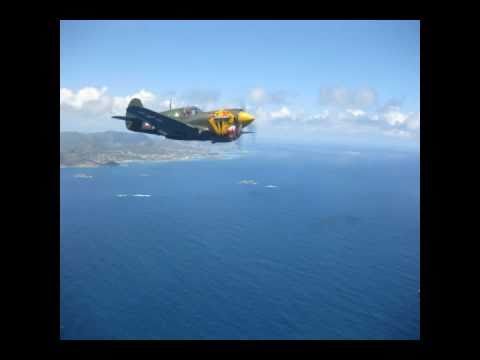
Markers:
{"x": 83, "y": 176}
{"x": 248, "y": 182}
{"x": 116, "y": 148}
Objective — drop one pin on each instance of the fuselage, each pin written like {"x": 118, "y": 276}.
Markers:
{"x": 195, "y": 117}
{"x": 187, "y": 123}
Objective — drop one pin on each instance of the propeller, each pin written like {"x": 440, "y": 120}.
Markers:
{"x": 238, "y": 133}
{"x": 252, "y": 127}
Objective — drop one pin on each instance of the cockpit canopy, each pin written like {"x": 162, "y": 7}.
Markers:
{"x": 191, "y": 111}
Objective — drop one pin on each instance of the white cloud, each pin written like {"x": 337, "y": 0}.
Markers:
{"x": 91, "y": 108}
{"x": 365, "y": 97}
{"x": 391, "y": 121}
{"x": 284, "y": 112}
{"x": 260, "y": 96}
{"x": 352, "y": 111}
{"x": 145, "y": 96}
{"x": 65, "y": 95}
{"x": 79, "y": 99}
{"x": 343, "y": 97}
{"x": 91, "y": 100}
{"x": 202, "y": 98}
{"x": 394, "y": 116}
{"x": 398, "y": 133}
{"x": 413, "y": 121}
{"x": 148, "y": 99}
{"x": 339, "y": 96}
{"x": 356, "y": 112}
{"x": 322, "y": 115}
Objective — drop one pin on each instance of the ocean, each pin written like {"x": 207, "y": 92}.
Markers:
{"x": 281, "y": 242}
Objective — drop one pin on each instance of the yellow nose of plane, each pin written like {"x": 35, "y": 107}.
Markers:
{"x": 245, "y": 118}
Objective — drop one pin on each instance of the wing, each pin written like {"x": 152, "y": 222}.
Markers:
{"x": 163, "y": 124}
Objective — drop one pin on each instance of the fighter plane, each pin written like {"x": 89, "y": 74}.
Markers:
{"x": 187, "y": 123}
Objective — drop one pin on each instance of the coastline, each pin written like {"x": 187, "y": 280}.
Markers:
{"x": 104, "y": 149}
{"x": 142, "y": 161}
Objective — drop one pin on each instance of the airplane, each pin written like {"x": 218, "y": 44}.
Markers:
{"x": 187, "y": 123}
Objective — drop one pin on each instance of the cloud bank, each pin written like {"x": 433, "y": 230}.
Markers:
{"x": 343, "y": 97}
{"x": 338, "y": 111}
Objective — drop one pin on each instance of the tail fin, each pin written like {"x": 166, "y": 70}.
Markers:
{"x": 135, "y": 102}
{"x": 131, "y": 120}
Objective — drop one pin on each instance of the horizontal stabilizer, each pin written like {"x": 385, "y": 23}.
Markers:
{"x": 120, "y": 117}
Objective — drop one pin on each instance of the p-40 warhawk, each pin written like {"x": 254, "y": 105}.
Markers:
{"x": 187, "y": 123}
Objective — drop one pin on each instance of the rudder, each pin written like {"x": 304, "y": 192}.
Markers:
{"x": 132, "y": 121}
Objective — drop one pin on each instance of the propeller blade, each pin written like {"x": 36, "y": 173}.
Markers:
{"x": 253, "y": 128}
{"x": 239, "y": 141}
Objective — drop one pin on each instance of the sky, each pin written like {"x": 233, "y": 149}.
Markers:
{"x": 306, "y": 81}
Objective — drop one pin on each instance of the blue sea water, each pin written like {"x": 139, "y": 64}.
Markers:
{"x": 329, "y": 251}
